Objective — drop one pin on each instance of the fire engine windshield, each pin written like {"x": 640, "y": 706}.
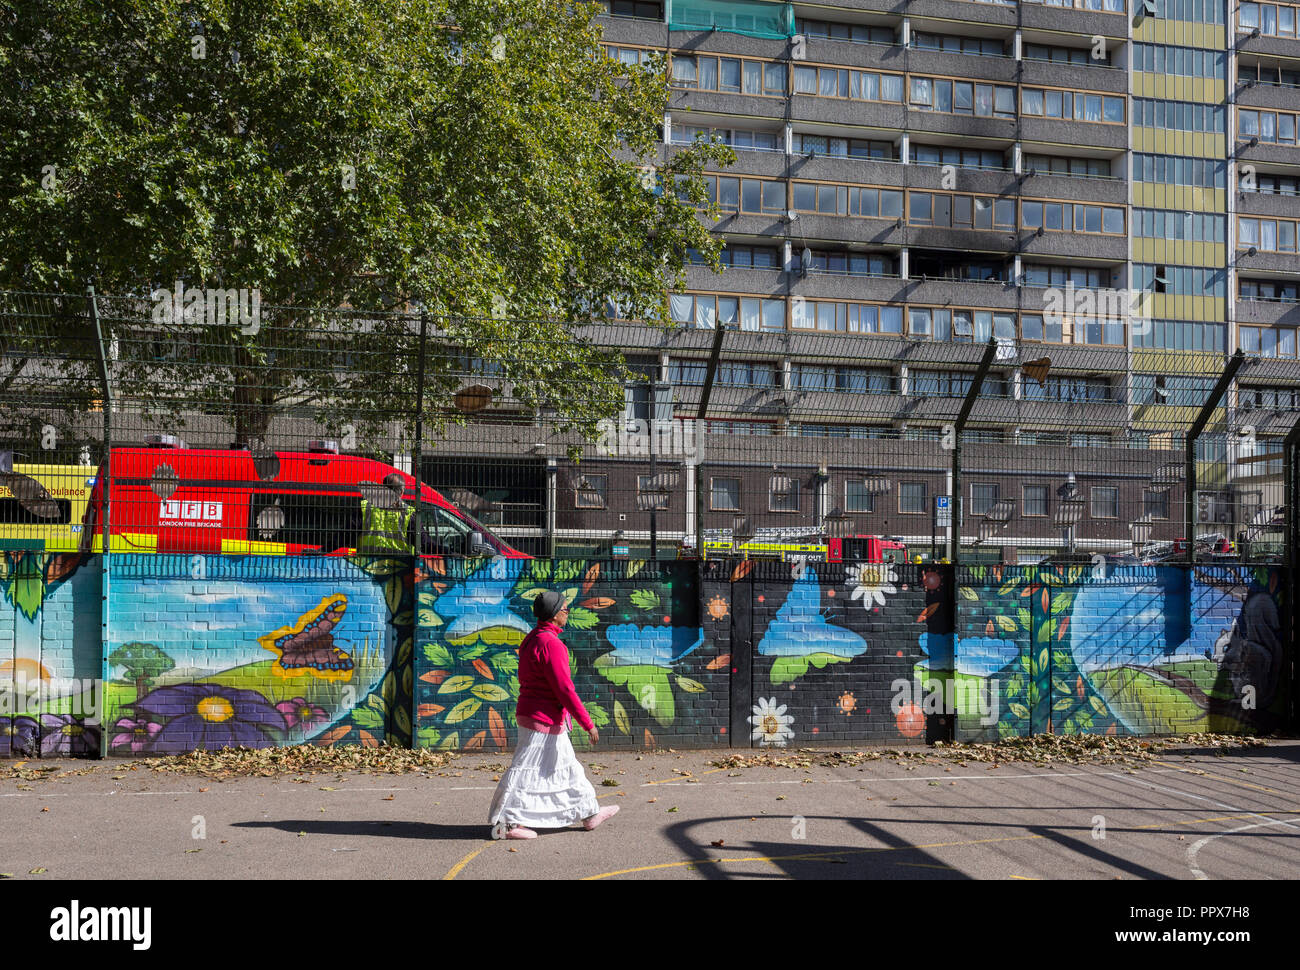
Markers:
{"x": 446, "y": 533}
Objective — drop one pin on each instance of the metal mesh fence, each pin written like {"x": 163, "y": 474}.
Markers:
{"x": 244, "y": 429}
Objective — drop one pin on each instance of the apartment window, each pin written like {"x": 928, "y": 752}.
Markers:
{"x": 935, "y": 383}
{"x": 725, "y": 494}
{"x": 857, "y": 498}
{"x": 837, "y": 82}
{"x": 1066, "y": 55}
{"x": 982, "y": 498}
{"x": 960, "y": 157}
{"x": 851, "y": 380}
{"x": 782, "y": 494}
{"x": 1034, "y": 499}
{"x": 962, "y": 97}
{"x": 741, "y": 139}
{"x": 1273, "y": 20}
{"x": 1073, "y": 167}
{"x": 649, "y": 496}
{"x": 1039, "y": 329}
{"x": 1273, "y": 291}
{"x": 1069, "y": 389}
{"x": 590, "y": 491}
{"x": 1269, "y": 341}
{"x": 1273, "y": 127}
{"x": 1272, "y": 74}
{"x": 729, "y": 75}
{"x": 805, "y": 144}
{"x": 1191, "y": 226}
{"x": 629, "y": 55}
{"x": 1155, "y": 504}
{"x": 856, "y": 33}
{"x": 1072, "y": 105}
{"x": 836, "y": 317}
{"x": 984, "y": 46}
{"x": 850, "y": 264}
{"x": 1105, "y": 502}
{"x": 1180, "y": 115}
{"x": 707, "y": 311}
{"x": 635, "y": 8}
{"x": 1181, "y": 61}
{"x": 1267, "y": 235}
{"x": 912, "y": 498}
{"x": 1179, "y": 170}
{"x": 732, "y": 194}
{"x": 1269, "y": 184}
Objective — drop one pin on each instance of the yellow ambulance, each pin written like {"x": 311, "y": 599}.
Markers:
{"x": 42, "y": 506}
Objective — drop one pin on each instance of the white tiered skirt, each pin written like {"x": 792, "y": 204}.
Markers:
{"x": 545, "y": 786}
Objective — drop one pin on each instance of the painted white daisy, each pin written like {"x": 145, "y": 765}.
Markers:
{"x": 872, "y": 581}
{"x": 771, "y": 723}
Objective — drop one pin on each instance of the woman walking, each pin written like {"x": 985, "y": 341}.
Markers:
{"x": 545, "y": 787}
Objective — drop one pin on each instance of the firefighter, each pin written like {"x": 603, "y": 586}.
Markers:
{"x": 387, "y": 523}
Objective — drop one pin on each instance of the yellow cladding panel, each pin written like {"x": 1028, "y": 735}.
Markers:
{"x": 1144, "y": 84}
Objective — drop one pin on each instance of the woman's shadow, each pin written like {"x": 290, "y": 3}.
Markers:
{"x": 430, "y": 831}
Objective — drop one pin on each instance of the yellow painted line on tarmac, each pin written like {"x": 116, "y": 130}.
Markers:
{"x": 1026, "y": 878}
{"x": 1211, "y": 774}
{"x": 455, "y": 870}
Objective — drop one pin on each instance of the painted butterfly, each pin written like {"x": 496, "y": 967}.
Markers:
{"x": 312, "y": 647}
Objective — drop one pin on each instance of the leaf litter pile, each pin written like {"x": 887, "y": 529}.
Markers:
{"x": 1042, "y": 749}
{"x": 301, "y": 759}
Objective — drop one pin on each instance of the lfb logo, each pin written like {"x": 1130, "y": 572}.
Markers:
{"x": 190, "y": 511}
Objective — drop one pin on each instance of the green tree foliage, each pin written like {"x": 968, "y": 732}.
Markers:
{"x": 144, "y": 663}
{"x": 478, "y": 160}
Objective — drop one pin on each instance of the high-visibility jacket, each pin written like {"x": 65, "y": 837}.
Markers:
{"x": 385, "y": 530}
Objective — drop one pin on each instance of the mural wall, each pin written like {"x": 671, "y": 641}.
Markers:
{"x": 208, "y": 651}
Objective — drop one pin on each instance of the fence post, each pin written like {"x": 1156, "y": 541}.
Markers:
{"x": 1202, "y": 419}
{"x": 1291, "y": 479}
{"x": 106, "y": 477}
{"x": 417, "y": 460}
{"x": 976, "y": 385}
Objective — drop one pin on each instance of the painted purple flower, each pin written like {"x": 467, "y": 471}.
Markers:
{"x": 135, "y": 733}
{"x": 63, "y": 735}
{"x": 18, "y": 737}
{"x": 301, "y": 712}
{"x": 209, "y": 716}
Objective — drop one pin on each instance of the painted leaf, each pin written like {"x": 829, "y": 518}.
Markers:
{"x": 382, "y": 567}
{"x": 928, "y": 612}
{"x": 497, "y": 727}
{"x": 1060, "y": 658}
{"x": 649, "y": 739}
{"x": 403, "y": 618}
{"x": 473, "y": 652}
{"x": 332, "y": 735}
{"x": 505, "y": 661}
{"x": 429, "y": 710}
{"x": 1075, "y": 573}
{"x": 435, "y": 676}
{"x": 532, "y": 594}
{"x": 988, "y": 629}
{"x": 465, "y": 709}
{"x": 368, "y": 717}
{"x": 648, "y": 685}
{"x": 581, "y": 619}
{"x": 402, "y": 721}
{"x": 635, "y": 567}
{"x": 599, "y": 716}
{"x": 589, "y": 580}
{"x": 1026, "y": 618}
{"x": 438, "y": 655}
{"x": 476, "y": 742}
{"x": 1098, "y": 705}
{"x": 1007, "y": 624}
{"x": 621, "y": 720}
{"x": 393, "y": 593}
{"x": 1014, "y": 684}
{"x": 403, "y": 652}
{"x": 1024, "y": 662}
{"x": 1042, "y": 660}
{"x": 597, "y": 602}
{"x": 1062, "y": 626}
{"x": 1019, "y": 710}
{"x": 717, "y": 663}
{"x": 450, "y": 742}
{"x": 1044, "y": 633}
{"x": 693, "y": 686}
{"x": 1080, "y": 688}
{"x": 483, "y": 669}
{"x": 27, "y": 588}
{"x": 644, "y": 599}
{"x": 1063, "y": 704}
{"x": 968, "y": 593}
{"x": 820, "y": 660}
{"x": 786, "y": 669}
{"x": 1060, "y": 603}
{"x": 567, "y": 569}
{"x": 742, "y": 570}
{"x": 368, "y": 739}
{"x": 455, "y": 685}
{"x": 490, "y": 692}
{"x": 1061, "y": 687}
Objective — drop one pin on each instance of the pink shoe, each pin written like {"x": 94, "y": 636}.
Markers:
{"x": 602, "y": 815}
{"x": 519, "y": 832}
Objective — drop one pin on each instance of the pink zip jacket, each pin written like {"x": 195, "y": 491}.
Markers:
{"x": 546, "y": 693}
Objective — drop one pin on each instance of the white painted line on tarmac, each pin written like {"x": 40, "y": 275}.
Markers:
{"x": 1195, "y": 848}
